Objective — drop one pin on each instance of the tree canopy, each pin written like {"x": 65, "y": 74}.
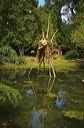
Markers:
{"x": 22, "y": 23}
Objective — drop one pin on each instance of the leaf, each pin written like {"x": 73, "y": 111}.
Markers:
{"x": 74, "y": 114}
{"x": 7, "y": 93}
{"x": 75, "y": 101}
{"x": 51, "y": 95}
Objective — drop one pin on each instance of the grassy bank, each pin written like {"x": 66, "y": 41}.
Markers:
{"x": 60, "y": 64}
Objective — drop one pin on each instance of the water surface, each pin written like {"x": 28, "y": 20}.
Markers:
{"x": 47, "y": 102}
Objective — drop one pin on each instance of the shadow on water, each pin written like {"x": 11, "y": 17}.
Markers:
{"x": 47, "y": 102}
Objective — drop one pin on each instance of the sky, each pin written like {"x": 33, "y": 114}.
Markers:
{"x": 41, "y": 2}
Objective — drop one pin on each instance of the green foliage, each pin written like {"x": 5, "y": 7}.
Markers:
{"x": 7, "y": 51}
{"x": 19, "y": 23}
{"x": 72, "y": 54}
{"x": 77, "y": 36}
{"x": 78, "y": 32}
{"x": 64, "y": 30}
{"x": 17, "y": 59}
{"x": 8, "y": 94}
{"x": 55, "y": 20}
{"x": 51, "y": 95}
{"x": 69, "y": 34}
{"x": 34, "y": 2}
{"x": 44, "y": 16}
{"x": 7, "y": 54}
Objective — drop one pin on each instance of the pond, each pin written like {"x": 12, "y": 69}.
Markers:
{"x": 47, "y": 102}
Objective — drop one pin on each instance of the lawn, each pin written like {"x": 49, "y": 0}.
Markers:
{"x": 60, "y": 64}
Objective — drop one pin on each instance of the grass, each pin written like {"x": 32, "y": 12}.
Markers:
{"x": 60, "y": 64}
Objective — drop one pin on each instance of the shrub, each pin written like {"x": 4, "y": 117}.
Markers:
{"x": 17, "y": 59}
{"x": 21, "y": 59}
{"x": 72, "y": 54}
{"x": 7, "y": 51}
{"x": 7, "y": 54}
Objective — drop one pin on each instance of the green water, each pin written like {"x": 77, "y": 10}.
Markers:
{"x": 47, "y": 102}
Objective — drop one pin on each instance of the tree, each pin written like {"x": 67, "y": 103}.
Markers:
{"x": 77, "y": 36}
{"x": 44, "y": 17}
{"x": 35, "y": 3}
{"x": 78, "y": 32}
{"x": 65, "y": 30}
{"x": 19, "y": 26}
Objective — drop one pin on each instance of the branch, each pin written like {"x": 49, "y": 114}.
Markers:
{"x": 30, "y": 47}
{"x": 48, "y": 26}
{"x": 43, "y": 34}
{"x": 53, "y": 35}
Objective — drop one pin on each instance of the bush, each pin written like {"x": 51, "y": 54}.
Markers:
{"x": 17, "y": 59}
{"x": 72, "y": 54}
{"x": 21, "y": 59}
{"x": 7, "y": 51}
{"x": 7, "y": 54}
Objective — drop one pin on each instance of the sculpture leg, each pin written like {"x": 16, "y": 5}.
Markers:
{"x": 44, "y": 65}
{"x": 51, "y": 85}
{"x": 39, "y": 67}
{"x": 33, "y": 63}
{"x": 49, "y": 68}
{"x": 40, "y": 62}
{"x": 52, "y": 68}
{"x": 32, "y": 67}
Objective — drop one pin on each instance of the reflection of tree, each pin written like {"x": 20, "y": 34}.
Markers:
{"x": 12, "y": 75}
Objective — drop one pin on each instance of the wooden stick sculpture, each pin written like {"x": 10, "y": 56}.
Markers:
{"x": 45, "y": 51}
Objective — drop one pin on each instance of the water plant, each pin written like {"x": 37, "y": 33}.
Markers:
{"x": 9, "y": 94}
